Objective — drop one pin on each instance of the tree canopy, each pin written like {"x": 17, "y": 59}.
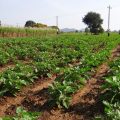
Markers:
{"x": 93, "y": 21}
{"x": 30, "y": 23}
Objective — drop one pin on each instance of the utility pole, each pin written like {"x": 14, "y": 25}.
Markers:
{"x": 57, "y": 21}
{"x": 57, "y": 24}
{"x": 109, "y": 8}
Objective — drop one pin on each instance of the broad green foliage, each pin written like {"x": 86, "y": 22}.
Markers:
{"x": 64, "y": 86}
{"x": 72, "y": 57}
{"x": 112, "y": 110}
{"x": 112, "y": 105}
{"x": 22, "y": 114}
{"x": 14, "y": 79}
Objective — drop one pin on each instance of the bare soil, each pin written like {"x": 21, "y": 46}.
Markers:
{"x": 8, "y": 103}
{"x": 12, "y": 65}
{"x": 85, "y": 103}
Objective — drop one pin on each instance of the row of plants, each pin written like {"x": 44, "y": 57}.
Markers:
{"x": 25, "y": 32}
{"x": 51, "y": 55}
{"x": 13, "y": 79}
{"x": 22, "y": 114}
{"x": 74, "y": 78}
{"x": 111, "y": 96}
{"x": 66, "y": 84}
{"x": 63, "y": 48}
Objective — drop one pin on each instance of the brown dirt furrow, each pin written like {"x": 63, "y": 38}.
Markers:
{"x": 9, "y": 102}
{"x": 4, "y": 68}
{"x": 12, "y": 65}
{"x": 56, "y": 114}
{"x": 85, "y": 103}
{"x": 115, "y": 53}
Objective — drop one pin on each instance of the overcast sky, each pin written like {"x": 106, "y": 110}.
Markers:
{"x": 70, "y": 12}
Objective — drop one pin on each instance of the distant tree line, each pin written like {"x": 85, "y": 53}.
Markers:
{"x": 93, "y": 21}
{"x": 33, "y": 24}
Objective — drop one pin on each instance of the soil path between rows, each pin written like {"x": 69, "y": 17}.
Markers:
{"x": 85, "y": 103}
{"x": 9, "y": 101}
{"x": 8, "y": 104}
{"x": 12, "y": 65}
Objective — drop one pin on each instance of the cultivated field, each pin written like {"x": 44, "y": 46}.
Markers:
{"x": 61, "y": 77}
{"x": 13, "y": 32}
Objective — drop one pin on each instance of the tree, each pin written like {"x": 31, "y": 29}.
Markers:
{"x": 87, "y": 30}
{"x": 119, "y": 32}
{"x": 93, "y": 21}
{"x": 30, "y": 23}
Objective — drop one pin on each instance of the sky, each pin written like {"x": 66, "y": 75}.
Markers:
{"x": 69, "y": 12}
